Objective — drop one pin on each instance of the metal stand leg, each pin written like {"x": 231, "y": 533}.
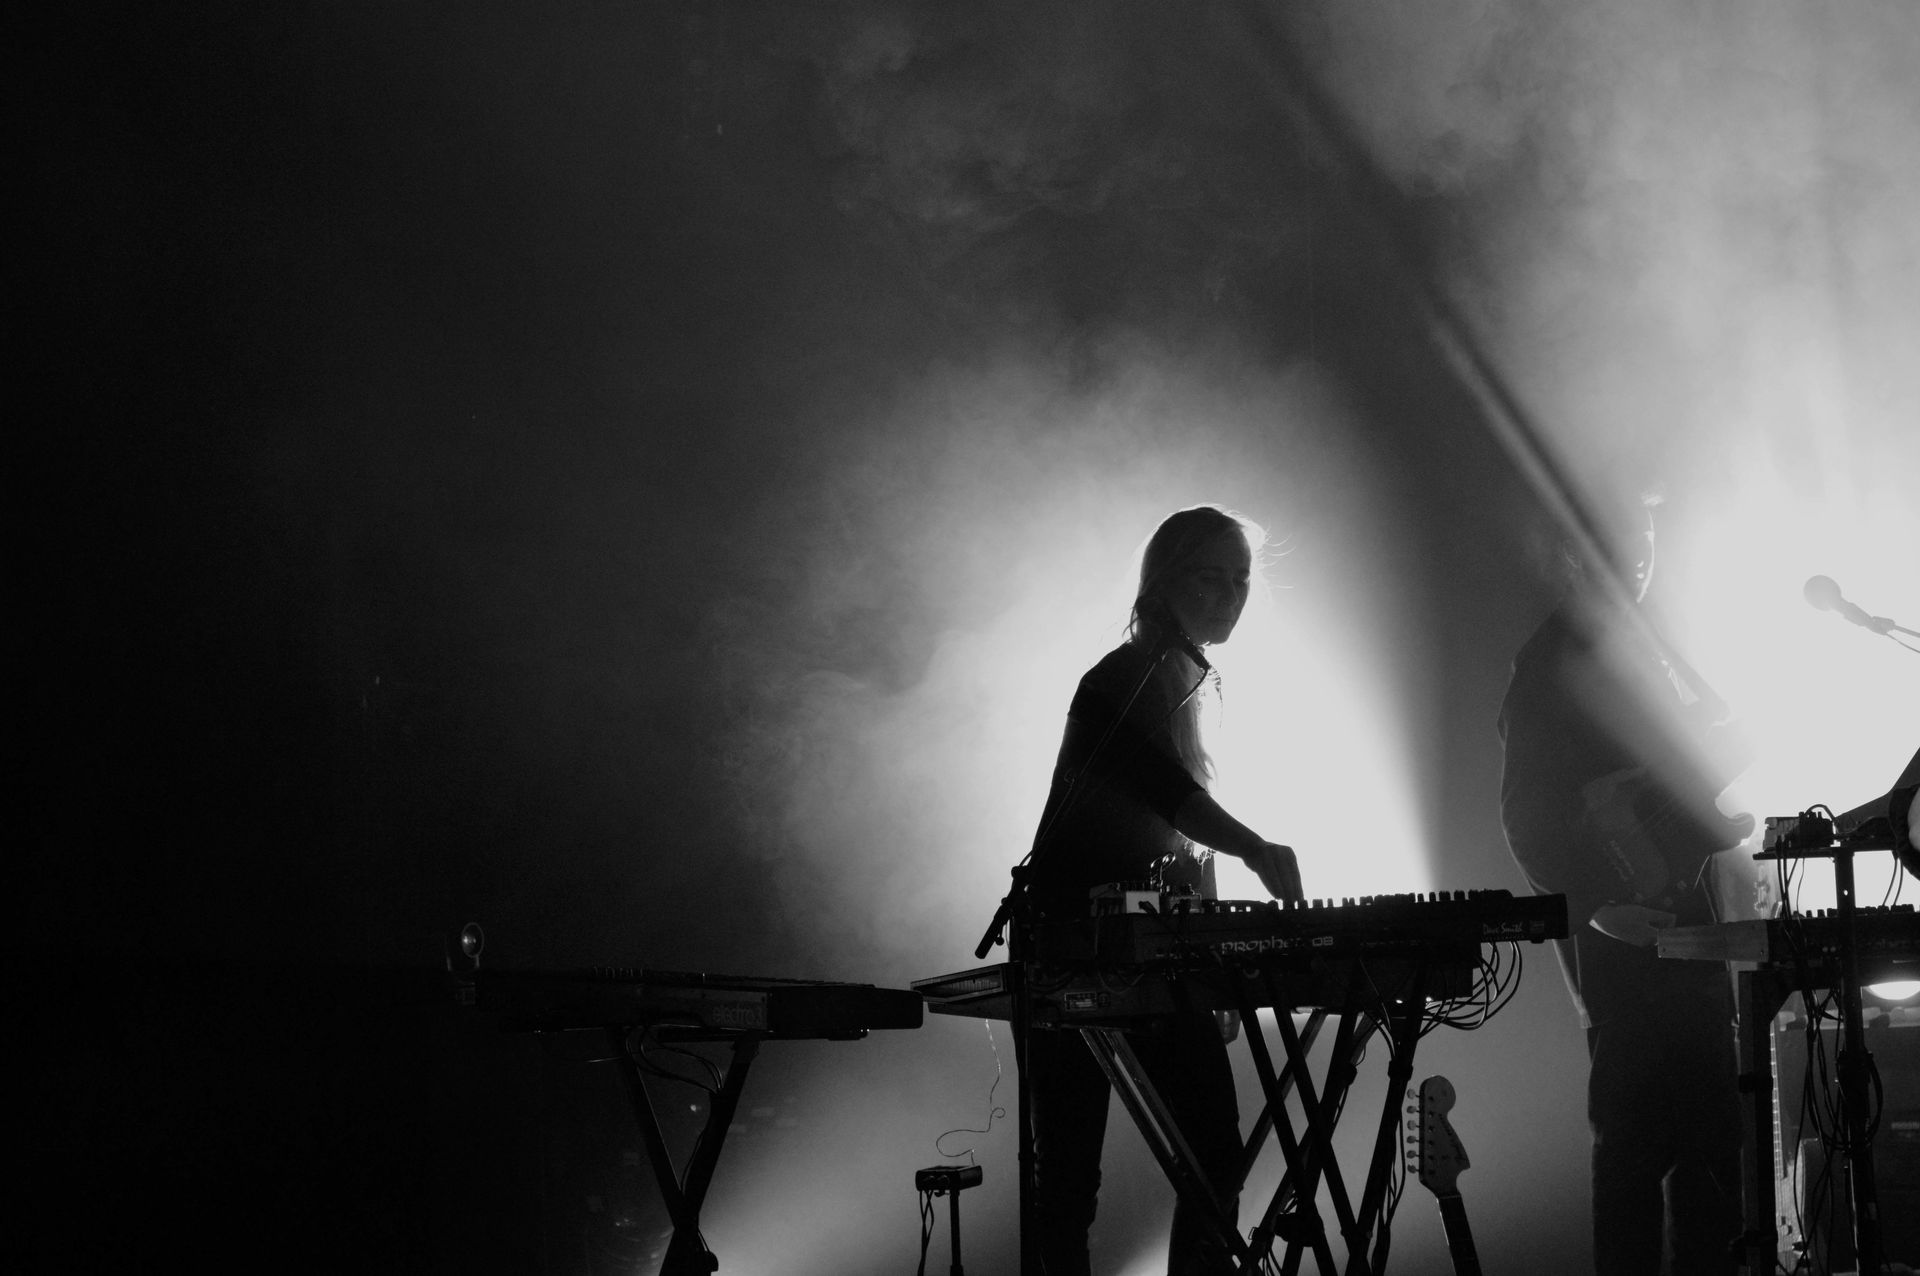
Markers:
{"x": 1274, "y": 1119}
{"x": 687, "y": 1253}
{"x": 1856, "y": 1071}
{"x": 954, "y": 1216}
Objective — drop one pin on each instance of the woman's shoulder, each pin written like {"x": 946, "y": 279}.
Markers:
{"x": 1123, "y": 665}
{"x": 1125, "y": 676}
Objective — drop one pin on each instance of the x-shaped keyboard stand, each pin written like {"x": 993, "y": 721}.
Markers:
{"x": 1292, "y": 1215}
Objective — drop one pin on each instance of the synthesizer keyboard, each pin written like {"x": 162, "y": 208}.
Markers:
{"x": 1224, "y": 955}
{"x": 1886, "y": 941}
{"x": 718, "y": 1006}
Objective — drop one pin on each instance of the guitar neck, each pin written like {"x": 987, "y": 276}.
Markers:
{"x": 1453, "y": 1214}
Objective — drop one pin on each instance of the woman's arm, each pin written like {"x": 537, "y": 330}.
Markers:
{"x": 1205, "y": 821}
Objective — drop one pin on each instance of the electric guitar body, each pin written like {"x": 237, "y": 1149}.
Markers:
{"x": 1656, "y": 823}
{"x": 1655, "y": 844}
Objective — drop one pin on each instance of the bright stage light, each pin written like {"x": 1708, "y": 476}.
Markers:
{"x": 1827, "y": 707}
{"x": 1895, "y": 990}
{"x": 1314, "y": 747}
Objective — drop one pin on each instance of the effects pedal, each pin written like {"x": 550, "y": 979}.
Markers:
{"x": 946, "y": 1178}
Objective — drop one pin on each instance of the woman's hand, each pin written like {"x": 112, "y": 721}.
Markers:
{"x": 1278, "y": 870}
{"x": 1202, "y": 820}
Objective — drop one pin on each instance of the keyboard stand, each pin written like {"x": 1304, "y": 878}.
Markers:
{"x": 1292, "y": 1215}
{"x": 685, "y": 1191}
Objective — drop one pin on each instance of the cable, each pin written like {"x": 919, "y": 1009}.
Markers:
{"x": 1496, "y": 983}
{"x": 994, "y": 1112}
{"x": 641, "y": 1052}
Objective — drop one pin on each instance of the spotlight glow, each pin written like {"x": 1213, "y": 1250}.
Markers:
{"x": 1313, "y": 749}
{"x": 1829, "y": 708}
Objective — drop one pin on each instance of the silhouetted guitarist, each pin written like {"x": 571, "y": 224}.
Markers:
{"x": 1604, "y": 799}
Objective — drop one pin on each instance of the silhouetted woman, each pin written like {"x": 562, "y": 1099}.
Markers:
{"x": 1130, "y": 803}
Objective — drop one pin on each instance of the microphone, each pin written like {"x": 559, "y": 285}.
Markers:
{"x": 1170, "y": 634}
{"x": 1824, "y": 595}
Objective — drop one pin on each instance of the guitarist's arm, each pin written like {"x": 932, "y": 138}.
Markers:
{"x": 1634, "y": 924}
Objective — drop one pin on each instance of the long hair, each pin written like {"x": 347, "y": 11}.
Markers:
{"x": 1172, "y": 546}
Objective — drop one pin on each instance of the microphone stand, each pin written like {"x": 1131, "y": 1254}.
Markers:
{"x": 1015, "y": 917}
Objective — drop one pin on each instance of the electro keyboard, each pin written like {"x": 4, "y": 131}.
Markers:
{"x": 691, "y": 1005}
{"x": 1885, "y": 939}
{"x": 1209, "y": 931}
{"x": 1224, "y": 955}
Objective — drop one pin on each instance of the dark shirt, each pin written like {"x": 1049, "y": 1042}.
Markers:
{"x": 1900, "y": 804}
{"x": 1112, "y": 820}
{"x": 1578, "y": 711}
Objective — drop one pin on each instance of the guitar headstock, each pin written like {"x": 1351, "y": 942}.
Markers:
{"x": 1436, "y": 1151}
